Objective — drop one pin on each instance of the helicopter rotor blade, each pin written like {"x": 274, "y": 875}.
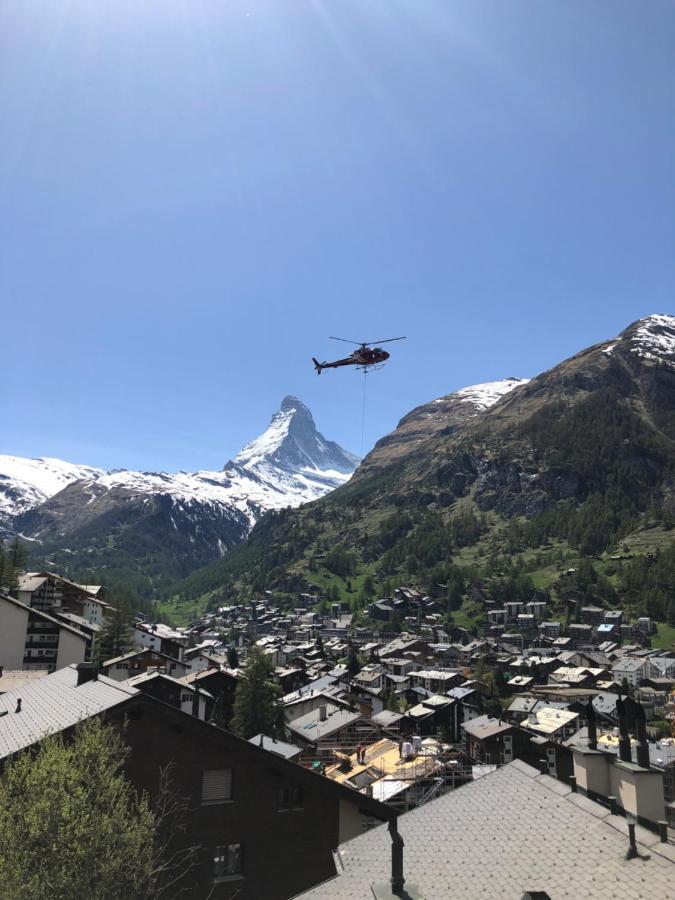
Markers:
{"x": 345, "y": 341}
{"x": 387, "y": 341}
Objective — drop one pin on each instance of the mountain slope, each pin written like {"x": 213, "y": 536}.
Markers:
{"x": 581, "y": 455}
{"x": 165, "y": 525}
{"x": 26, "y": 483}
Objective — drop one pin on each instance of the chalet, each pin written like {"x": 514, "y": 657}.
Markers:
{"x": 263, "y": 825}
{"x": 138, "y": 661}
{"x": 187, "y": 697}
{"x": 161, "y": 638}
{"x": 323, "y": 730}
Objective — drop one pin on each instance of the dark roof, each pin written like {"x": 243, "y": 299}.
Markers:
{"x": 55, "y": 703}
{"x": 536, "y": 835}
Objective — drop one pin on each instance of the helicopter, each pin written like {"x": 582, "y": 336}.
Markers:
{"x": 363, "y": 358}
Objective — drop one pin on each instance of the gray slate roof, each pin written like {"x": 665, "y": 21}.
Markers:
{"x": 53, "y": 703}
{"x": 506, "y": 833}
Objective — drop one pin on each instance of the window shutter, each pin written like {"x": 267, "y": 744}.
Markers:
{"x": 216, "y": 785}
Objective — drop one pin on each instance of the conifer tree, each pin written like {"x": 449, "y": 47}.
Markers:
{"x": 257, "y": 707}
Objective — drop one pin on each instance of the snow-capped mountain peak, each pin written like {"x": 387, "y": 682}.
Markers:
{"x": 483, "y": 396}
{"x": 653, "y": 338}
{"x": 289, "y": 464}
{"x": 292, "y": 443}
{"x": 25, "y": 483}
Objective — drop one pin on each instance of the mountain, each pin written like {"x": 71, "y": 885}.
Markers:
{"x": 574, "y": 462}
{"x": 26, "y": 483}
{"x": 164, "y": 525}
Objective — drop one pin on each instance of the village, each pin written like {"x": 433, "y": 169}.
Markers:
{"x": 383, "y": 721}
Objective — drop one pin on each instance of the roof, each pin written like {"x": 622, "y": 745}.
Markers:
{"x": 311, "y": 728}
{"x": 53, "y": 703}
{"x": 11, "y": 680}
{"x": 31, "y": 582}
{"x": 281, "y": 748}
{"x": 485, "y": 726}
{"x": 140, "y": 652}
{"x": 387, "y": 718}
{"x": 547, "y": 839}
{"x": 144, "y": 677}
{"x": 549, "y": 719}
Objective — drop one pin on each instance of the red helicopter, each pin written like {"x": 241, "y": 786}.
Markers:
{"x": 363, "y": 358}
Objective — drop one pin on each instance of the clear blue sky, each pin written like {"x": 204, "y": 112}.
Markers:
{"x": 196, "y": 194}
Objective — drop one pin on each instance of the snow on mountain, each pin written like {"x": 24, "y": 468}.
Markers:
{"x": 653, "y": 338}
{"x": 26, "y": 483}
{"x": 289, "y": 464}
{"x": 483, "y": 396}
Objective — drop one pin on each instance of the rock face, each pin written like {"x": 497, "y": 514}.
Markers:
{"x": 425, "y": 425}
{"x": 85, "y": 517}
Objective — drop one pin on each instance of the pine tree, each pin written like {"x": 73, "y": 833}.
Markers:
{"x": 353, "y": 664}
{"x": 232, "y": 657}
{"x": 257, "y": 708}
{"x": 116, "y": 636}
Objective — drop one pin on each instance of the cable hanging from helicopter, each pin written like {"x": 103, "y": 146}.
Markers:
{"x": 366, "y": 358}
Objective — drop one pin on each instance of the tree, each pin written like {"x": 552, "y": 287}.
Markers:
{"x": 353, "y": 664}
{"x": 257, "y": 708}
{"x": 73, "y": 826}
{"x": 12, "y": 565}
{"x": 116, "y": 636}
{"x": 232, "y": 657}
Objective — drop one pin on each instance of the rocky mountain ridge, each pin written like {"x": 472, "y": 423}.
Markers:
{"x": 85, "y": 517}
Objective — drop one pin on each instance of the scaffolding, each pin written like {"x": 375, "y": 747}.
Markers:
{"x": 381, "y": 769}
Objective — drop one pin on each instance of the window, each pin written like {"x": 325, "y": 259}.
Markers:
{"x": 227, "y": 860}
{"x": 290, "y": 798}
{"x": 216, "y": 786}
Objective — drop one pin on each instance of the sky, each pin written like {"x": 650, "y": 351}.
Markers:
{"x": 195, "y": 195}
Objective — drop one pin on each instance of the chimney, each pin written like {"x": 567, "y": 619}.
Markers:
{"x": 323, "y": 712}
{"x": 195, "y": 701}
{"x": 592, "y": 726}
{"x": 642, "y": 746}
{"x": 86, "y": 672}
{"x": 624, "y": 738}
{"x": 18, "y": 705}
{"x": 397, "y": 879}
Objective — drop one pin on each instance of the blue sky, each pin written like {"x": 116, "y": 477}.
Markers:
{"x": 196, "y": 194}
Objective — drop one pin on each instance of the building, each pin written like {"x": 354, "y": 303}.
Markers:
{"x": 328, "y": 729}
{"x": 136, "y": 662}
{"x": 188, "y": 697}
{"x": 633, "y": 669}
{"x": 32, "y": 639}
{"x": 511, "y": 834}
{"x": 47, "y": 591}
{"x": 488, "y": 740}
{"x": 264, "y": 826}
